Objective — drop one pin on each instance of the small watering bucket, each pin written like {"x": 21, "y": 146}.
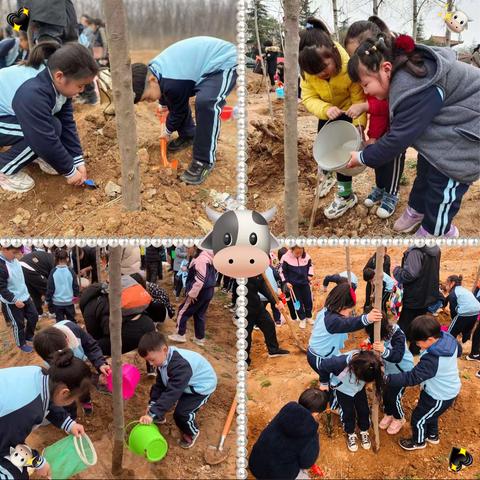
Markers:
{"x": 130, "y": 379}
{"x": 147, "y": 441}
{"x": 280, "y": 91}
{"x": 226, "y": 113}
{"x": 333, "y": 145}
{"x": 70, "y": 456}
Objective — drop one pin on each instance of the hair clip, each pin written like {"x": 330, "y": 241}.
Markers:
{"x": 374, "y": 48}
{"x": 308, "y": 26}
{"x": 367, "y": 52}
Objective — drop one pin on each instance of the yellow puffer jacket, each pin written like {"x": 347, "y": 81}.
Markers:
{"x": 319, "y": 95}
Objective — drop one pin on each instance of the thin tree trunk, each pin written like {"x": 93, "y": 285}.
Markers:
{"x": 120, "y": 66}
{"x": 477, "y": 278}
{"x": 375, "y": 7}
{"x": 292, "y": 9}
{"x": 349, "y": 268}
{"x": 99, "y": 263}
{"x": 114, "y": 295}
{"x": 415, "y": 20}
{"x": 335, "y": 20}
{"x": 448, "y": 33}
{"x": 263, "y": 64}
{"x": 376, "y": 334}
{"x": 79, "y": 278}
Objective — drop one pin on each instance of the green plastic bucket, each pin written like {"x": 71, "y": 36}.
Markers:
{"x": 70, "y": 456}
{"x": 148, "y": 442}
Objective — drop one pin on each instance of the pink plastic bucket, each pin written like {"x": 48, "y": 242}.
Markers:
{"x": 444, "y": 328}
{"x": 130, "y": 378}
{"x": 226, "y": 113}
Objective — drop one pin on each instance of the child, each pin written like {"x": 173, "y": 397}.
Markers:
{"x": 297, "y": 271}
{"x": 475, "y": 351}
{"x": 290, "y": 442}
{"x": 271, "y": 56}
{"x": 274, "y": 280}
{"x": 13, "y": 50}
{"x": 435, "y": 104}
{"x": 372, "y": 261}
{"x": 333, "y": 323}
{"x": 437, "y": 373}
{"x": 200, "y": 288}
{"x": 17, "y": 306}
{"x": 328, "y": 92}
{"x": 347, "y": 375}
{"x": 181, "y": 275}
{"x": 396, "y": 358}
{"x": 387, "y": 177}
{"x": 66, "y": 334}
{"x": 62, "y": 288}
{"x": 153, "y": 263}
{"x": 464, "y": 308}
{"x": 388, "y": 285}
{"x": 288, "y": 294}
{"x": 200, "y": 67}
{"x": 184, "y": 378}
{"x": 340, "y": 278}
{"x": 32, "y": 394}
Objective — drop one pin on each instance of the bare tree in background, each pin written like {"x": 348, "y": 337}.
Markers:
{"x": 335, "y": 20}
{"x": 376, "y": 6}
{"x": 120, "y": 66}
{"x": 417, "y": 6}
{"x": 292, "y": 9}
{"x": 448, "y": 33}
{"x": 114, "y": 296}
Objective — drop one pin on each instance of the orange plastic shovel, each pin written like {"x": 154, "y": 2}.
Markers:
{"x": 162, "y": 116}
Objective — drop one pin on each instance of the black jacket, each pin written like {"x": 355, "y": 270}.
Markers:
{"x": 42, "y": 262}
{"x": 372, "y": 263}
{"x": 154, "y": 254}
{"x": 256, "y": 285}
{"x": 89, "y": 260}
{"x": 289, "y": 443}
{"x": 96, "y": 310}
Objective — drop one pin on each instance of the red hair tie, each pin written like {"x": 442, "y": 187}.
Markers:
{"x": 353, "y": 295}
{"x": 405, "y": 43}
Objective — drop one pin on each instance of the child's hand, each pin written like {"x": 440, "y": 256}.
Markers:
{"x": 76, "y": 179}
{"x": 334, "y": 112}
{"x": 146, "y": 420}
{"x": 106, "y": 369}
{"x": 290, "y": 286}
{"x": 379, "y": 347}
{"x": 279, "y": 306}
{"x": 354, "y": 160}
{"x": 165, "y": 136}
{"x": 371, "y": 141}
{"x": 77, "y": 430}
{"x": 19, "y": 304}
{"x": 357, "y": 109}
{"x": 374, "y": 316}
{"x": 324, "y": 289}
{"x": 83, "y": 170}
{"x": 324, "y": 388}
{"x": 45, "y": 471}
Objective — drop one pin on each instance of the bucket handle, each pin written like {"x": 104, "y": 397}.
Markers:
{"x": 134, "y": 422}
{"x": 78, "y": 443}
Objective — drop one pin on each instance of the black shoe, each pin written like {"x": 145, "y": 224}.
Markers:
{"x": 409, "y": 444}
{"x": 196, "y": 173}
{"x": 478, "y": 374}
{"x": 472, "y": 357}
{"x": 435, "y": 439}
{"x": 278, "y": 353}
{"x": 179, "y": 143}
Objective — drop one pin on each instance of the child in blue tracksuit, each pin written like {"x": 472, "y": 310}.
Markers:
{"x": 434, "y": 103}
{"x": 437, "y": 373}
{"x": 347, "y": 376}
{"x": 396, "y": 358}
{"x": 36, "y": 114}
{"x": 338, "y": 278}
{"x": 475, "y": 351}
{"x": 62, "y": 288}
{"x": 184, "y": 378}
{"x": 13, "y": 49}
{"x": 32, "y": 395}
{"x": 181, "y": 275}
{"x": 388, "y": 285}
{"x": 66, "y": 334}
{"x": 464, "y": 308}
{"x": 17, "y": 306}
{"x": 200, "y": 67}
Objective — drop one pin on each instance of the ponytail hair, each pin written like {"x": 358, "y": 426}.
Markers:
{"x": 66, "y": 369}
{"x": 72, "y": 59}
{"x": 367, "y": 366}
{"x": 456, "y": 279}
{"x": 400, "y": 52}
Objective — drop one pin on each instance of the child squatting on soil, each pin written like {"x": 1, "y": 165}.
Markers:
{"x": 33, "y": 394}
{"x": 200, "y": 67}
{"x": 185, "y": 379}
{"x": 434, "y": 107}
{"x": 290, "y": 442}
{"x": 36, "y": 114}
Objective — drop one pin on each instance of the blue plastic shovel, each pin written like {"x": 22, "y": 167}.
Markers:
{"x": 90, "y": 184}
{"x": 296, "y": 303}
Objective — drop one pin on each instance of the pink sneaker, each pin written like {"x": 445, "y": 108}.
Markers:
{"x": 452, "y": 233}
{"x": 386, "y": 421}
{"x": 396, "y": 426}
{"x": 408, "y": 221}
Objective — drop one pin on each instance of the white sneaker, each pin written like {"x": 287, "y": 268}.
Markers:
{"x": 199, "y": 341}
{"x": 365, "y": 440}
{"x": 303, "y": 324}
{"x": 45, "y": 167}
{"x": 327, "y": 184}
{"x": 177, "y": 338}
{"x": 339, "y": 206}
{"x": 352, "y": 442}
{"x": 18, "y": 182}
{"x": 310, "y": 321}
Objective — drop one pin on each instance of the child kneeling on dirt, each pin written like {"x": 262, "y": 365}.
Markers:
{"x": 184, "y": 378}
{"x": 437, "y": 373}
{"x": 347, "y": 375}
{"x": 290, "y": 442}
{"x": 66, "y": 334}
{"x": 200, "y": 67}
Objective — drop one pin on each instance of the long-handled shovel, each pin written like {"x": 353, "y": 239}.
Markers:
{"x": 162, "y": 116}
{"x": 216, "y": 454}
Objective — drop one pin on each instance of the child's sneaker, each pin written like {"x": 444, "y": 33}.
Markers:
{"x": 45, "y": 167}
{"x": 396, "y": 426}
{"x": 433, "y": 439}
{"x": 327, "y": 184}
{"x": 18, "y": 182}
{"x": 374, "y": 197}
{"x": 196, "y": 173}
{"x": 160, "y": 421}
{"x": 409, "y": 444}
{"x": 188, "y": 441}
{"x": 409, "y": 220}
{"x": 177, "y": 338}
{"x": 340, "y": 205}
{"x": 310, "y": 321}
{"x": 452, "y": 233}
{"x": 278, "y": 353}
{"x": 26, "y": 348}
{"x": 87, "y": 408}
{"x": 472, "y": 358}
{"x": 385, "y": 422}
{"x": 302, "y": 324}
{"x": 199, "y": 341}
{"x": 365, "y": 440}
{"x": 352, "y": 442}
{"x": 388, "y": 205}
{"x": 478, "y": 374}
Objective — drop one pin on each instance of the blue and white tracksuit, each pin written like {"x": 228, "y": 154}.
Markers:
{"x": 62, "y": 287}
{"x": 464, "y": 310}
{"x": 9, "y": 51}
{"x": 24, "y": 405}
{"x": 349, "y": 391}
{"x": 12, "y": 290}
{"x": 437, "y": 373}
{"x": 186, "y": 379}
{"x": 200, "y": 67}
{"x": 36, "y": 121}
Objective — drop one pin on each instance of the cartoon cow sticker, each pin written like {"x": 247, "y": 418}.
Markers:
{"x": 457, "y": 21}
{"x": 240, "y": 241}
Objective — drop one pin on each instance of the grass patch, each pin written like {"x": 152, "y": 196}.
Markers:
{"x": 265, "y": 383}
{"x": 404, "y": 181}
{"x": 226, "y": 375}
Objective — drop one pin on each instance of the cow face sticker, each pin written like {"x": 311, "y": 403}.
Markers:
{"x": 240, "y": 241}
